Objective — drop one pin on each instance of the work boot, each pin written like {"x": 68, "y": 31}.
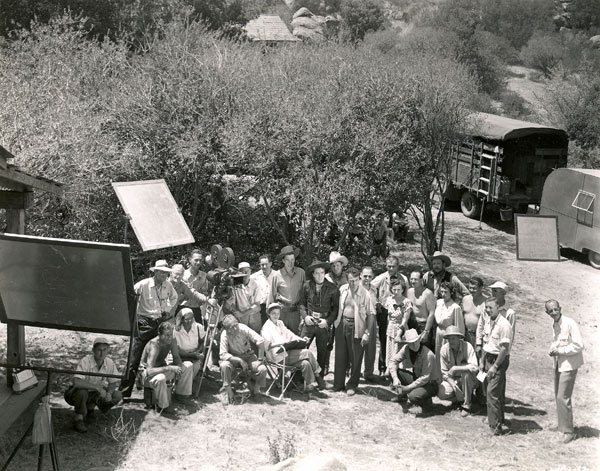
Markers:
{"x": 79, "y": 426}
{"x": 321, "y": 383}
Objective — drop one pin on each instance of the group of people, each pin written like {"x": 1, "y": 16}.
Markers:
{"x": 436, "y": 337}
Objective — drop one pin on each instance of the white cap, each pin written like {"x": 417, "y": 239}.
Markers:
{"x": 500, "y": 285}
{"x": 243, "y": 265}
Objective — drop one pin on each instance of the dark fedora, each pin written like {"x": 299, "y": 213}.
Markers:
{"x": 288, "y": 250}
{"x": 316, "y": 264}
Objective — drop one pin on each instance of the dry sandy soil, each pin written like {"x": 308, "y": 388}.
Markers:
{"x": 368, "y": 430}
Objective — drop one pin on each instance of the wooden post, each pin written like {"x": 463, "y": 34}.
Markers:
{"x": 15, "y": 334}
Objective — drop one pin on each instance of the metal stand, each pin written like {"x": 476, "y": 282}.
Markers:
{"x": 52, "y": 444}
{"x": 481, "y": 213}
{"x": 211, "y": 332}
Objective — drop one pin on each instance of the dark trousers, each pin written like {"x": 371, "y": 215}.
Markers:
{"x": 86, "y": 400}
{"x": 264, "y": 317}
{"x": 147, "y": 329}
{"x": 420, "y": 395}
{"x": 496, "y": 391}
{"x": 344, "y": 353}
{"x": 320, "y": 335}
{"x": 382, "y": 324}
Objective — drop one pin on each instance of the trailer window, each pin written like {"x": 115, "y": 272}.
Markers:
{"x": 584, "y": 201}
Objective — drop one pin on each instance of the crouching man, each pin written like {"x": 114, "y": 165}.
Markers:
{"x": 459, "y": 370}
{"x": 158, "y": 377}
{"x": 87, "y": 392}
{"x": 417, "y": 379}
{"x": 236, "y": 352}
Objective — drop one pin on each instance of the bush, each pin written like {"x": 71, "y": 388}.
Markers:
{"x": 360, "y": 17}
{"x": 543, "y": 52}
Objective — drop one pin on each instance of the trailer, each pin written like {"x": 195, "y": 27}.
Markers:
{"x": 570, "y": 194}
{"x": 503, "y": 163}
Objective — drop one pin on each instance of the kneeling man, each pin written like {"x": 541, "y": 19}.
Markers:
{"x": 418, "y": 378}
{"x": 236, "y": 352}
{"x": 158, "y": 376}
{"x": 87, "y": 392}
{"x": 459, "y": 369}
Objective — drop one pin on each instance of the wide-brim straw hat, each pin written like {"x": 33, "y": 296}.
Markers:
{"x": 453, "y": 331}
{"x": 288, "y": 250}
{"x": 316, "y": 264}
{"x": 161, "y": 265}
{"x": 337, "y": 257}
{"x": 442, "y": 257}
{"x": 411, "y": 336}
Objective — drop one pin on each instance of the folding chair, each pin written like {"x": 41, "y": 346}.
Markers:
{"x": 282, "y": 375}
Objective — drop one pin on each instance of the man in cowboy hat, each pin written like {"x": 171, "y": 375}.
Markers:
{"x": 414, "y": 374}
{"x": 268, "y": 285}
{"x": 318, "y": 309}
{"x": 291, "y": 289}
{"x": 336, "y": 274}
{"x": 499, "y": 290}
{"x": 353, "y": 327}
{"x": 87, "y": 392}
{"x": 438, "y": 274}
{"x": 459, "y": 369}
{"x": 157, "y": 301}
{"x": 382, "y": 284}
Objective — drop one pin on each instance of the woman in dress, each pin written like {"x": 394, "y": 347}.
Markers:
{"x": 399, "y": 309}
{"x": 447, "y": 313}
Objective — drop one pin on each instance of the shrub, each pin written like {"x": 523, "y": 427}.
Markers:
{"x": 543, "y": 52}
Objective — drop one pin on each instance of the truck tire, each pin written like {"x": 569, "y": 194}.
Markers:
{"x": 594, "y": 259}
{"x": 470, "y": 205}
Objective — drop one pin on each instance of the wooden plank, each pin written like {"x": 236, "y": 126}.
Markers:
{"x": 16, "y": 405}
{"x": 15, "y": 334}
{"x": 11, "y": 174}
{"x": 4, "y": 156}
{"x": 16, "y": 199}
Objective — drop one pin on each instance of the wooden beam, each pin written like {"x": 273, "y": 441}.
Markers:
{"x": 15, "y": 334}
{"x": 11, "y": 174}
{"x": 4, "y": 156}
{"x": 16, "y": 199}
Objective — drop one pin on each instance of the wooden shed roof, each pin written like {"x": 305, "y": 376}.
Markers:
{"x": 269, "y": 28}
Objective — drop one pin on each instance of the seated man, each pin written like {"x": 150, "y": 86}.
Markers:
{"x": 276, "y": 335}
{"x": 87, "y": 392}
{"x": 190, "y": 341}
{"x": 459, "y": 369}
{"x": 236, "y": 352}
{"x": 420, "y": 383}
{"x": 157, "y": 375}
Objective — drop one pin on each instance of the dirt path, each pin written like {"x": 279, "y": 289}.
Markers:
{"x": 530, "y": 91}
{"x": 368, "y": 430}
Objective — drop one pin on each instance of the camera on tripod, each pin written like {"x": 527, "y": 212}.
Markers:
{"x": 223, "y": 277}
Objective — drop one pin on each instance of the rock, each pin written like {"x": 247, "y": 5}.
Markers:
{"x": 595, "y": 40}
{"x": 303, "y": 12}
{"x": 320, "y": 462}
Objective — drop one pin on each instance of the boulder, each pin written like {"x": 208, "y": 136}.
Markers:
{"x": 595, "y": 40}
{"x": 303, "y": 12}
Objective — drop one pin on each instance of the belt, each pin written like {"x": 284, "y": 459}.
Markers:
{"x": 289, "y": 305}
{"x": 348, "y": 319}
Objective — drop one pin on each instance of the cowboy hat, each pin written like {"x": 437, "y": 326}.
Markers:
{"x": 161, "y": 265}
{"x": 273, "y": 306}
{"x": 288, "y": 250}
{"x": 337, "y": 257}
{"x": 453, "y": 331}
{"x": 411, "y": 336}
{"x": 316, "y": 264}
{"x": 499, "y": 285}
{"x": 442, "y": 257}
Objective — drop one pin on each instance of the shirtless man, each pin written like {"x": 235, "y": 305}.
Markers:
{"x": 473, "y": 305}
{"x": 423, "y": 301}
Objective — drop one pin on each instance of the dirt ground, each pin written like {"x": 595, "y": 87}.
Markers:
{"x": 368, "y": 430}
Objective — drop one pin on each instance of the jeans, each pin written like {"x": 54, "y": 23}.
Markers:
{"x": 420, "y": 395}
{"x": 344, "y": 352}
{"x": 147, "y": 329}
{"x": 320, "y": 335}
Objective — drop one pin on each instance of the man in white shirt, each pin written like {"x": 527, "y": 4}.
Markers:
{"x": 566, "y": 350}
{"x": 87, "y": 392}
{"x": 268, "y": 285}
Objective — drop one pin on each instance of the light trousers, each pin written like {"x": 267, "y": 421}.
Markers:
{"x": 465, "y": 383}
{"x": 306, "y": 361}
{"x": 564, "y": 382}
{"x": 162, "y": 391}
{"x": 258, "y": 371}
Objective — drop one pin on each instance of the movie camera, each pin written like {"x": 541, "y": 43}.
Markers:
{"x": 224, "y": 276}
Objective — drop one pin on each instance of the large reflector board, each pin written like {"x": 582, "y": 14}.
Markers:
{"x": 153, "y": 214}
{"x": 537, "y": 237}
{"x": 66, "y": 284}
